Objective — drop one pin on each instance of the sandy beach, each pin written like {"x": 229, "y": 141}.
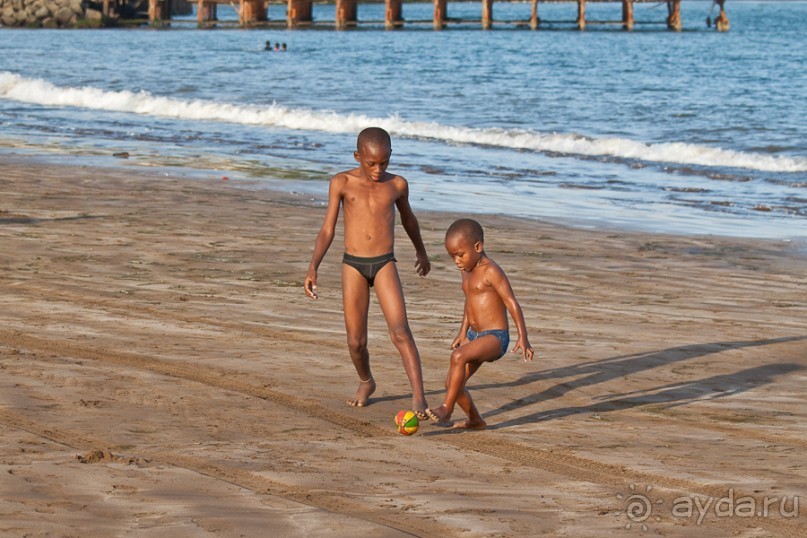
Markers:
{"x": 163, "y": 374}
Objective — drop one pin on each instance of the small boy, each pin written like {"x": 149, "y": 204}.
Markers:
{"x": 369, "y": 195}
{"x": 484, "y": 334}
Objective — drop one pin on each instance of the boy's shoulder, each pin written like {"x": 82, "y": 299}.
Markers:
{"x": 344, "y": 175}
{"x": 397, "y": 180}
{"x": 341, "y": 180}
{"x": 354, "y": 175}
{"x": 491, "y": 268}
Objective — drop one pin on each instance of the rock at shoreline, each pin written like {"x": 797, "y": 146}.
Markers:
{"x": 65, "y": 16}
{"x": 45, "y": 13}
{"x": 73, "y": 13}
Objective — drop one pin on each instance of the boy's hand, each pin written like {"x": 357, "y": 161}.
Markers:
{"x": 422, "y": 264}
{"x": 311, "y": 284}
{"x": 524, "y": 345}
{"x": 460, "y": 340}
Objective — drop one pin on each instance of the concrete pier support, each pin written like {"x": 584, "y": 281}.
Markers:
{"x": 346, "y": 13}
{"x": 534, "y": 19}
{"x": 674, "y": 20}
{"x": 440, "y": 14}
{"x": 251, "y": 11}
{"x": 581, "y": 14}
{"x": 297, "y": 12}
{"x": 722, "y": 21}
{"x": 206, "y": 12}
{"x": 487, "y": 14}
{"x": 159, "y": 11}
{"x": 393, "y": 14}
{"x": 627, "y": 14}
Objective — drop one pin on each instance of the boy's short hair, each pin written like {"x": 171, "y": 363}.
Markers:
{"x": 468, "y": 228}
{"x": 374, "y": 136}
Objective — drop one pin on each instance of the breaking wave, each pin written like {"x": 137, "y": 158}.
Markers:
{"x": 38, "y": 91}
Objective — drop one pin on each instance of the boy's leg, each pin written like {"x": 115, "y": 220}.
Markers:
{"x": 464, "y": 360}
{"x": 356, "y": 302}
{"x": 391, "y": 299}
{"x": 466, "y": 403}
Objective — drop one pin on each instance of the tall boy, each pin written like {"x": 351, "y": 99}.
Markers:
{"x": 484, "y": 334}
{"x": 369, "y": 195}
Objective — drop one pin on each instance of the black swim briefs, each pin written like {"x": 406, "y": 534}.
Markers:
{"x": 368, "y": 267}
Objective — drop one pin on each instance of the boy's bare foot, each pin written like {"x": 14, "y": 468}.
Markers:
{"x": 363, "y": 393}
{"x": 470, "y": 425}
{"x": 419, "y": 407}
{"x": 440, "y": 415}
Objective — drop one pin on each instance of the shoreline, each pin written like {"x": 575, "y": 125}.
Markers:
{"x": 301, "y": 187}
{"x": 163, "y": 370}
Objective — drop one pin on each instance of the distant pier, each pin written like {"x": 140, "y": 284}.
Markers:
{"x": 299, "y": 14}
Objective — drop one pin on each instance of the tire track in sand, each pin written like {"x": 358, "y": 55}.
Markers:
{"x": 553, "y": 461}
{"x": 302, "y": 337}
{"x": 114, "y": 305}
{"x": 206, "y": 375}
{"x": 335, "y": 502}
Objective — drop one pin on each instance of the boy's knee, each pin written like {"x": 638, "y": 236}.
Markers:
{"x": 357, "y": 345}
{"x": 457, "y": 357}
{"x": 400, "y": 335}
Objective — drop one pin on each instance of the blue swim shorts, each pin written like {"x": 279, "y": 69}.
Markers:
{"x": 501, "y": 334}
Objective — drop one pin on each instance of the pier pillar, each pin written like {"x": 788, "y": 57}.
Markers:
{"x": 159, "y": 11}
{"x": 393, "y": 15}
{"x": 722, "y": 20}
{"x": 487, "y": 14}
{"x": 674, "y": 20}
{"x": 251, "y": 11}
{"x": 346, "y": 13}
{"x": 534, "y": 19}
{"x": 298, "y": 11}
{"x": 440, "y": 14}
{"x": 206, "y": 12}
{"x": 581, "y": 14}
{"x": 627, "y": 14}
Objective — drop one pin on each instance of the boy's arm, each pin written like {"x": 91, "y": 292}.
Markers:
{"x": 463, "y": 330}
{"x": 410, "y": 224}
{"x": 502, "y": 286}
{"x": 325, "y": 235}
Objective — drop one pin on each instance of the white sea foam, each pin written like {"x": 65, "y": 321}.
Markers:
{"x": 38, "y": 91}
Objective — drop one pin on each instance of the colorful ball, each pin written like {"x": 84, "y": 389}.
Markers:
{"x": 406, "y": 422}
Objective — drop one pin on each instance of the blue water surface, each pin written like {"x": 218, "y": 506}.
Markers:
{"x": 601, "y": 128}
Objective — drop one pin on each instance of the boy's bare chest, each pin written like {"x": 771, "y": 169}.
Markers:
{"x": 476, "y": 285}
{"x": 370, "y": 197}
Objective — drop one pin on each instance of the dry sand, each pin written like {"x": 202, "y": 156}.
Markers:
{"x": 163, "y": 374}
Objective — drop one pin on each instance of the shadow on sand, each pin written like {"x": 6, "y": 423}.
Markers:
{"x": 33, "y": 220}
{"x": 595, "y": 372}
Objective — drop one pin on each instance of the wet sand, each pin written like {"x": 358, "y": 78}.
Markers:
{"x": 163, "y": 374}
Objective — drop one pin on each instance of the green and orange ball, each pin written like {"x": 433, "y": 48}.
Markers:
{"x": 406, "y": 422}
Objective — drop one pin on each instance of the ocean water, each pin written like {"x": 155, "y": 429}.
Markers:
{"x": 694, "y": 132}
